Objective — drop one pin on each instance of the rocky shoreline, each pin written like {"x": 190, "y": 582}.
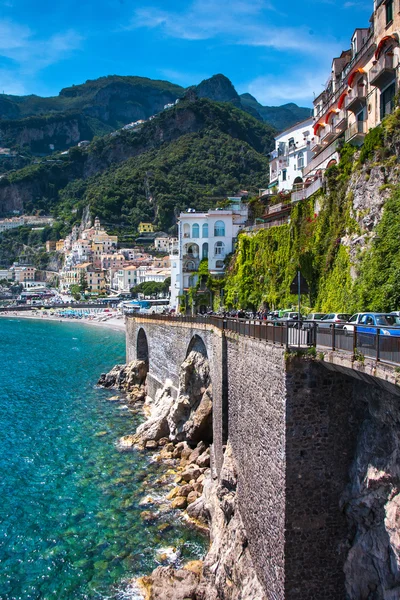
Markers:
{"x": 178, "y": 430}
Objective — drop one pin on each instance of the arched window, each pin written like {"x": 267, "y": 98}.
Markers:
{"x": 205, "y": 250}
{"x": 205, "y": 230}
{"x": 192, "y": 250}
{"x": 220, "y": 249}
{"x": 219, "y": 229}
{"x": 300, "y": 160}
{"x": 219, "y": 264}
{"x": 190, "y": 266}
{"x": 186, "y": 230}
{"x": 195, "y": 230}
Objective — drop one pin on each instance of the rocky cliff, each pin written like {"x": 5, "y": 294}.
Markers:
{"x": 181, "y": 430}
{"x": 371, "y": 503}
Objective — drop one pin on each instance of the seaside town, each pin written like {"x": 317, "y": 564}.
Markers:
{"x": 358, "y": 95}
{"x": 200, "y": 301}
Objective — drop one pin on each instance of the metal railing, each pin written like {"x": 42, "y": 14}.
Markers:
{"x": 359, "y": 127}
{"x": 381, "y": 344}
{"x": 306, "y": 192}
{"x": 320, "y": 158}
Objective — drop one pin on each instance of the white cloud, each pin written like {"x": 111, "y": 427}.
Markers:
{"x": 237, "y": 22}
{"x": 29, "y": 54}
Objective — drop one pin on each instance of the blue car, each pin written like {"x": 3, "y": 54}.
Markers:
{"x": 387, "y": 324}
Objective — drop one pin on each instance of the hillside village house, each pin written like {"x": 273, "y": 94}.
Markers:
{"x": 209, "y": 235}
{"x": 146, "y": 228}
{"x": 23, "y": 273}
{"x": 292, "y": 153}
{"x": 94, "y": 278}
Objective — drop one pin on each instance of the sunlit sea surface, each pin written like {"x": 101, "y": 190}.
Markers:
{"x": 70, "y": 524}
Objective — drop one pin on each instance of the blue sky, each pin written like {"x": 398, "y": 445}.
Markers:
{"x": 278, "y": 50}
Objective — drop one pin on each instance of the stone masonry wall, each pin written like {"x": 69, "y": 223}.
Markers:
{"x": 295, "y": 426}
{"x": 257, "y": 435}
{"x": 169, "y": 344}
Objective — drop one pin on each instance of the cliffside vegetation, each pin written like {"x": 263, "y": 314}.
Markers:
{"x": 348, "y": 266}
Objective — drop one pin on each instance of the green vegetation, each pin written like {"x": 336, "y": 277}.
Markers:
{"x": 152, "y": 288}
{"x": 265, "y": 264}
{"x": 191, "y": 155}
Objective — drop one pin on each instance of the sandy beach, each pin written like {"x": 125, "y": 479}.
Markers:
{"x": 112, "y": 320}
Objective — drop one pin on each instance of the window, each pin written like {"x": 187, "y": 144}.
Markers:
{"x": 284, "y": 175}
{"x": 186, "y": 230}
{"x": 389, "y": 11}
{"x": 220, "y": 249}
{"x": 219, "y": 229}
{"x": 219, "y": 264}
{"x": 300, "y": 160}
{"x": 195, "y": 230}
{"x": 205, "y": 250}
{"x": 387, "y": 100}
{"x": 291, "y": 143}
{"x": 205, "y": 230}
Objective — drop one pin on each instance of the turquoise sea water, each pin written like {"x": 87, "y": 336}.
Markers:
{"x": 70, "y": 524}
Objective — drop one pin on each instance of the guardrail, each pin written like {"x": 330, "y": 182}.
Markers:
{"x": 361, "y": 342}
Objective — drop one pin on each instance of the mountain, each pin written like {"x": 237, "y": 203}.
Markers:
{"x": 280, "y": 117}
{"x": 185, "y": 157}
{"x": 81, "y": 112}
{"x": 95, "y": 108}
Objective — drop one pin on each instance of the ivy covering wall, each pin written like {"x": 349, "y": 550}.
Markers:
{"x": 266, "y": 263}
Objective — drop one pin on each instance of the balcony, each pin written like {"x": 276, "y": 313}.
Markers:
{"x": 383, "y": 72}
{"x": 318, "y": 160}
{"x": 340, "y": 122}
{"x": 306, "y": 192}
{"x": 356, "y": 99}
{"x": 316, "y": 144}
{"x": 328, "y": 134}
{"x": 356, "y": 133}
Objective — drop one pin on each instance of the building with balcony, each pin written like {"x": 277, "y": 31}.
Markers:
{"x": 291, "y": 155}
{"x": 361, "y": 89}
{"x": 208, "y": 235}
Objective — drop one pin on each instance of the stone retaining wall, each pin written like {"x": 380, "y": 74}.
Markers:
{"x": 294, "y": 425}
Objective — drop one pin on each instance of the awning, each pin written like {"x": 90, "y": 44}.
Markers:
{"x": 317, "y": 127}
{"x": 341, "y": 100}
{"x": 331, "y": 112}
{"x": 383, "y": 42}
{"x": 353, "y": 75}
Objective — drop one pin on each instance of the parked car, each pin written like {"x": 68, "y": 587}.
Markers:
{"x": 312, "y": 318}
{"x": 332, "y": 319}
{"x": 388, "y": 324}
{"x": 354, "y": 320}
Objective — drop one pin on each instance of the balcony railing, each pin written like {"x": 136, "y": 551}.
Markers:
{"x": 356, "y": 131}
{"x": 356, "y": 98}
{"x": 383, "y": 72}
{"x": 320, "y": 158}
{"x": 306, "y": 192}
{"x": 331, "y": 98}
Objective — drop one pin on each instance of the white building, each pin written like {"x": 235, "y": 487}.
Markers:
{"x": 210, "y": 236}
{"x": 126, "y": 278}
{"x": 291, "y": 155}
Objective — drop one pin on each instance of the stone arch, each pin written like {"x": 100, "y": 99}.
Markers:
{"x": 197, "y": 344}
{"x": 142, "y": 346}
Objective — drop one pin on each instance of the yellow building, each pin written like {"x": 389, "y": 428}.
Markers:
{"x": 146, "y": 228}
{"x": 94, "y": 278}
{"x": 60, "y": 245}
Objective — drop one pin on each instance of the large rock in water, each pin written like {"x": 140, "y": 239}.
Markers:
{"x": 190, "y": 417}
{"x": 166, "y": 583}
{"x": 187, "y": 418}
{"x": 125, "y": 377}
